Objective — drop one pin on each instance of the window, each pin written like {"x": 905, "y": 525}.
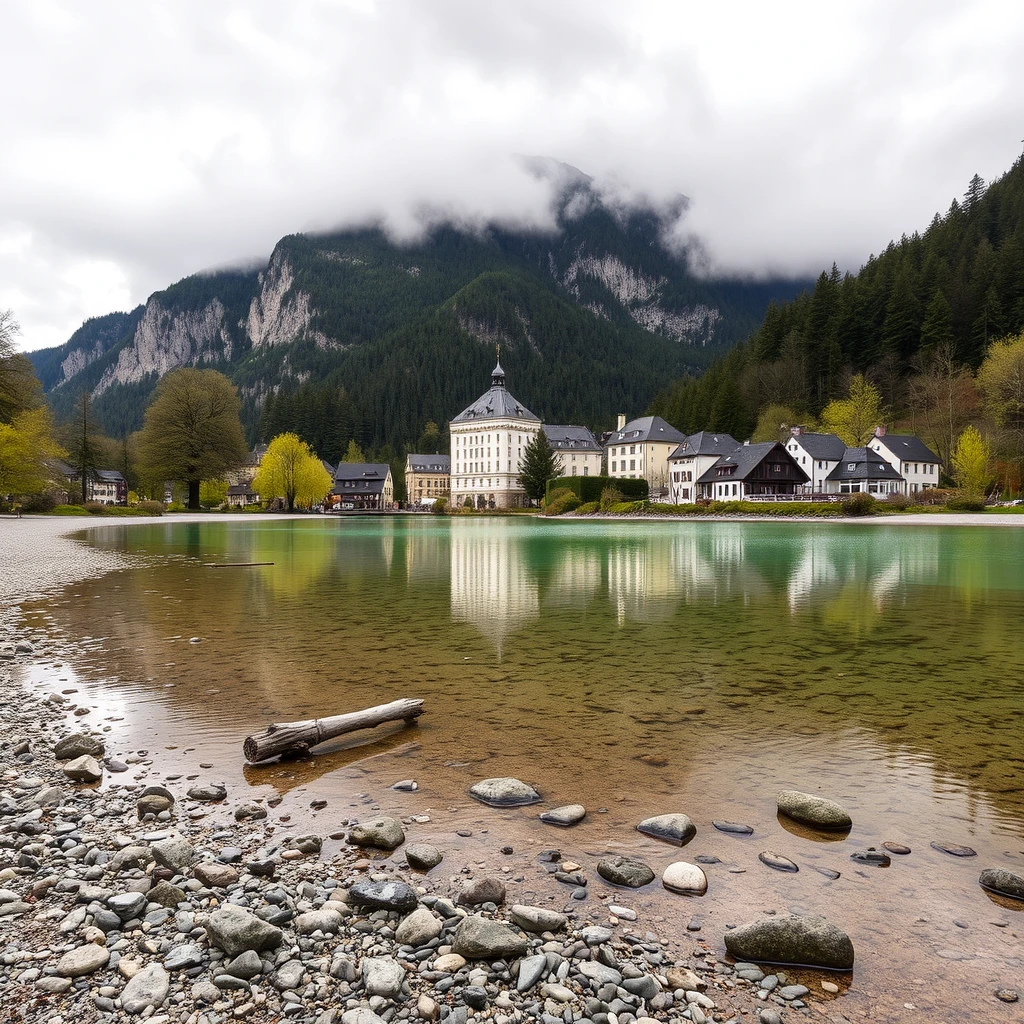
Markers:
{"x": 573, "y": 470}
{"x": 632, "y": 463}
{"x": 734, "y": 490}
{"x": 632, "y": 449}
{"x": 613, "y": 466}
{"x": 586, "y": 471}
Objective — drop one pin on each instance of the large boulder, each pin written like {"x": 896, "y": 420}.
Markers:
{"x": 78, "y": 744}
{"x": 504, "y": 792}
{"x": 84, "y": 769}
{"x": 381, "y": 833}
{"x": 480, "y": 938}
{"x": 146, "y": 989}
{"x": 234, "y": 930}
{"x": 1003, "y": 882}
{"x": 418, "y": 928}
{"x": 384, "y": 895}
{"x": 815, "y": 811}
{"x": 806, "y": 941}
{"x": 673, "y": 828}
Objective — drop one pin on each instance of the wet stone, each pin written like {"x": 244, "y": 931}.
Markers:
{"x": 814, "y": 811}
{"x": 898, "y": 848}
{"x": 384, "y": 895}
{"x": 422, "y": 856}
{"x": 564, "y": 817}
{"x": 1007, "y": 995}
{"x": 504, "y": 792}
{"x": 78, "y": 744}
{"x": 483, "y": 890}
{"x": 776, "y": 861}
{"x": 871, "y": 856}
{"x": 733, "y": 828}
{"x": 671, "y": 828}
{"x": 954, "y": 850}
{"x": 381, "y": 833}
{"x": 1006, "y": 883}
{"x": 630, "y": 872}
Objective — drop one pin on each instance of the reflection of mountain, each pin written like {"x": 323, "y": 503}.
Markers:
{"x": 491, "y": 587}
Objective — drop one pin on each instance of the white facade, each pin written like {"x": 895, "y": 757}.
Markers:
{"x": 817, "y": 455}
{"x": 577, "y": 452}
{"x": 691, "y": 460}
{"x": 910, "y": 457}
{"x": 640, "y": 450}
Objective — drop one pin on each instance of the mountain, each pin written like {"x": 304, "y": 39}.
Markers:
{"x": 350, "y": 335}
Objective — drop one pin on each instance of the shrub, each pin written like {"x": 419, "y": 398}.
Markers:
{"x": 440, "y": 506}
{"x": 859, "y": 504}
{"x": 587, "y": 508}
{"x": 94, "y": 508}
{"x": 36, "y": 504}
{"x": 175, "y": 506}
{"x": 567, "y": 501}
{"x": 468, "y": 503}
{"x": 899, "y": 502}
{"x": 611, "y": 496}
{"x": 626, "y": 508}
{"x": 965, "y": 504}
{"x": 69, "y": 510}
{"x": 152, "y": 508}
{"x": 589, "y": 488}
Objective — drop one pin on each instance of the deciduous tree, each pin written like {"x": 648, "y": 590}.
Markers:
{"x": 972, "y": 462}
{"x": 1001, "y": 383}
{"x": 354, "y": 453}
{"x": 291, "y": 471}
{"x": 192, "y": 431}
{"x": 19, "y": 388}
{"x": 538, "y": 466}
{"x": 26, "y": 443}
{"x": 774, "y": 422}
{"x": 854, "y": 418}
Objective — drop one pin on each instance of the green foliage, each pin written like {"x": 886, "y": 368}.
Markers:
{"x": 291, "y": 471}
{"x": 26, "y": 446}
{"x": 37, "y": 504}
{"x": 213, "y": 493}
{"x": 859, "y": 504}
{"x": 588, "y": 508}
{"x": 965, "y": 504}
{"x": 610, "y": 495}
{"x": 590, "y": 488}
{"x": 440, "y": 506}
{"x": 538, "y": 466}
{"x": 625, "y": 508}
{"x": 561, "y": 501}
{"x": 151, "y": 508}
{"x": 854, "y": 419}
{"x": 899, "y": 502}
{"x": 799, "y": 509}
{"x": 69, "y": 510}
{"x": 971, "y": 463}
{"x": 773, "y": 423}
{"x": 354, "y": 453}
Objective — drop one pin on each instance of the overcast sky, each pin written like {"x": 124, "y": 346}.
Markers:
{"x": 143, "y": 141}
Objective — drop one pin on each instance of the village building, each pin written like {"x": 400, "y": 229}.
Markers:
{"x": 361, "y": 486}
{"x": 427, "y": 478}
{"x": 640, "y": 449}
{"x": 695, "y": 455}
{"x": 242, "y": 495}
{"x": 487, "y": 442}
{"x": 817, "y": 454}
{"x": 105, "y": 486}
{"x": 917, "y": 465}
{"x": 759, "y": 470}
{"x": 577, "y": 451}
{"x": 863, "y": 470}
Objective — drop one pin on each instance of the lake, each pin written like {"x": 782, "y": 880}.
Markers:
{"x": 634, "y": 667}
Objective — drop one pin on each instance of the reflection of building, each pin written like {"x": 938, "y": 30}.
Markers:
{"x": 577, "y": 452}
{"x": 487, "y": 441}
{"x": 489, "y": 585}
{"x": 640, "y": 449}
{"x": 427, "y": 477}
{"x": 361, "y": 485}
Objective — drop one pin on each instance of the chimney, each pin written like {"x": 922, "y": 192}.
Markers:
{"x": 880, "y": 430}
{"x": 622, "y": 421}
{"x": 796, "y": 431}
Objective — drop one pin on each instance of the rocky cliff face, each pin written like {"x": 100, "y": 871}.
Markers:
{"x": 277, "y": 315}
{"x": 78, "y": 359}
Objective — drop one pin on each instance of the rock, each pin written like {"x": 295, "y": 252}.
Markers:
{"x": 418, "y": 928}
{"x": 422, "y": 856}
{"x": 594, "y": 935}
{"x": 1007, "y": 995}
{"x": 131, "y": 857}
{"x": 127, "y": 904}
{"x": 897, "y": 848}
{"x": 769, "y": 1017}
{"x": 327, "y": 921}
{"x": 815, "y": 811}
{"x": 1006, "y": 883}
{"x": 207, "y": 792}
{"x": 180, "y": 958}
{"x": 154, "y": 804}
{"x": 309, "y": 845}
{"x": 215, "y": 876}
{"x": 954, "y": 850}
{"x": 382, "y": 976}
{"x": 426, "y": 1008}
{"x": 148, "y": 988}
{"x": 733, "y": 828}
{"x": 479, "y": 938}
{"x": 84, "y": 769}
{"x": 78, "y": 744}
{"x": 384, "y": 895}
{"x": 246, "y": 965}
{"x": 174, "y": 853}
{"x": 531, "y": 970}
{"x": 483, "y": 890}
{"x": 406, "y": 786}
{"x": 646, "y": 987}
{"x": 685, "y": 878}
{"x": 53, "y": 986}
{"x": 630, "y": 872}
{"x": 360, "y": 1015}
{"x": 600, "y": 973}
{"x": 672, "y": 828}
{"x": 449, "y": 963}
{"x": 827, "y": 872}
{"x": 624, "y": 913}
{"x": 570, "y": 814}
{"x": 871, "y": 856}
{"x": 288, "y": 976}
{"x": 538, "y": 919}
{"x": 381, "y": 833}
{"x": 166, "y": 894}
{"x": 775, "y": 860}
{"x": 234, "y": 930}
{"x": 83, "y": 960}
{"x": 807, "y": 941}
{"x": 678, "y": 977}
{"x": 250, "y": 811}
{"x": 504, "y": 792}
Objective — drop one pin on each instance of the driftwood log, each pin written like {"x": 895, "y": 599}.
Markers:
{"x": 294, "y": 739}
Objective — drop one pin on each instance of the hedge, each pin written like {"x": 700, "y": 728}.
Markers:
{"x": 589, "y": 488}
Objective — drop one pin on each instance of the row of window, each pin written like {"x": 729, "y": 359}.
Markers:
{"x": 622, "y": 465}
{"x": 466, "y": 440}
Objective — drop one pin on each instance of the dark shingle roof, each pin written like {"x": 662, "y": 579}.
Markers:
{"x": 826, "y": 447}
{"x": 109, "y": 476}
{"x": 746, "y": 458}
{"x": 907, "y": 448}
{"x": 496, "y": 403}
{"x": 704, "y": 442}
{"x": 647, "y": 428}
{"x": 240, "y": 489}
{"x": 429, "y": 463}
{"x": 360, "y": 477}
{"x": 576, "y": 438}
{"x": 863, "y": 464}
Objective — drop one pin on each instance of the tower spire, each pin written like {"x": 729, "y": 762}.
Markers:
{"x": 498, "y": 374}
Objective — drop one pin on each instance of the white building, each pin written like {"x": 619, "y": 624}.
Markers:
{"x": 487, "y": 442}
{"x": 817, "y": 455}
{"x": 915, "y": 462}
{"x": 863, "y": 470}
{"x": 577, "y": 451}
{"x": 640, "y": 449}
{"x": 692, "y": 459}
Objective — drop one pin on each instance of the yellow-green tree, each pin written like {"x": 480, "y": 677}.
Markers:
{"x": 354, "y": 453}
{"x": 1001, "y": 383}
{"x": 773, "y": 423}
{"x": 971, "y": 462}
{"x": 291, "y": 471}
{"x": 213, "y": 493}
{"x": 854, "y": 419}
{"x": 26, "y": 443}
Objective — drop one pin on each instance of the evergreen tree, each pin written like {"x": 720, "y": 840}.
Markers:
{"x": 538, "y": 466}
{"x": 937, "y": 327}
{"x": 353, "y": 453}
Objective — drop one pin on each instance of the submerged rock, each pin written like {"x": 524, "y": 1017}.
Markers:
{"x": 812, "y": 810}
{"x": 672, "y": 828}
{"x": 871, "y": 856}
{"x": 1006, "y": 883}
{"x": 630, "y": 872}
{"x": 504, "y": 792}
{"x": 807, "y": 941}
{"x": 775, "y": 860}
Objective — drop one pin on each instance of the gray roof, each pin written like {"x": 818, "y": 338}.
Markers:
{"x": 496, "y": 403}
{"x": 863, "y": 464}
{"x": 647, "y": 428}
{"x": 826, "y": 447}
{"x": 576, "y": 438}
{"x": 360, "y": 477}
{"x": 236, "y": 489}
{"x": 746, "y": 458}
{"x": 704, "y": 442}
{"x": 907, "y": 448}
{"x": 429, "y": 463}
{"x": 109, "y": 476}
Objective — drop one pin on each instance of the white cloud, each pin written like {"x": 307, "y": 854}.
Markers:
{"x": 143, "y": 142}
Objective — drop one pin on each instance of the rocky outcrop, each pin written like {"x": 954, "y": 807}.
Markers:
{"x": 278, "y": 314}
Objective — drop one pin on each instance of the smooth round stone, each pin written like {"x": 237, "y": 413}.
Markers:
{"x": 733, "y": 828}
{"x": 483, "y": 890}
{"x": 685, "y": 878}
{"x": 630, "y": 872}
{"x": 384, "y": 895}
{"x": 538, "y": 919}
{"x": 381, "y": 833}
{"x": 815, "y": 811}
{"x": 570, "y": 814}
{"x": 954, "y": 850}
{"x": 808, "y": 941}
{"x": 208, "y": 792}
{"x": 898, "y": 848}
{"x": 504, "y": 792}
{"x": 871, "y": 856}
{"x": 422, "y": 856}
{"x": 671, "y": 828}
{"x": 775, "y": 860}
{"x": 1003, "y": 882}
{"x": 82, "y": 961}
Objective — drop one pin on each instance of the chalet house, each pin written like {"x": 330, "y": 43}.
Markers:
{"x": 640, "y": 449}
{"x": 817, "y": 454}
{"x": 752, "y": 470}
{"x": 863, "y": 470}
{"x": 577, "y": 451}
{"x": 242, "y": 495}
{"x": 427, "y": 477}
{"x": 692, "y": 459}
{"x": 106, "y": 486}
{"x": 361, "y": 486}
{"x": 910, "y": 457}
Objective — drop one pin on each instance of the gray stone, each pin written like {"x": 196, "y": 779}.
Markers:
{"x": 483, "y": 890}
{"x": 250, "y": 811}
{"x": 130, "y": 857}
{"x": 53, "y": 986}
{"x": 815, "y": 811}
{"x": 630, "y": 872}
{"x": 672, "y": 828}
{"x": 504, "y": 792}
{"x": 570, "y": 814}
{"x": 406, "y": 786}
{"x": 418, "y": 928}
{"x": 1006, "y": 883}
{"x": 180, "y": 958}
{"x": 599, "y": 972}
{"x": 531, "y": 970}
{"x": 146, "y": 989}
{"x": 479, "y": 938}
{"x": 384, "y": 895}
{"x": 234, "y": 930}
{"x": 215, "y": 876}
{"x": 84, "y": 769}
{"x": 382, "y": 976}
{"x": 775, "y": 860}
{"x": 246, "y": 965}
{"x": 646, "y": 987}
{"x": 207, "y": 792}
{"x": 174, "y": 853}
{"x": 166, "y": 894}
{"x": 538, "y": 919}
{"x": 791, "y": 992}
{"x": 685, "y": 878}
{"x": 954, "y": 849}
{"x": 14, "y": 908}
{"x": 308, "y": 845}
{"x": 76, "y": 963}
{"x": 422, "y": 856}
{"x": 154, "y": 804}
{"x": 595, "y": 934}
{"x": 78, "y": 744}
{"x": 361, "y": 1015}
{"x": 808, "y": 941}
{"x": 288, "y": 976}
{"x": 127, "y": 904}
{"x": 769, "y": 1017}
{"x": 733, "y": 828}
{"x": 380, "y": 833}
{"x": 327, "y": 921}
